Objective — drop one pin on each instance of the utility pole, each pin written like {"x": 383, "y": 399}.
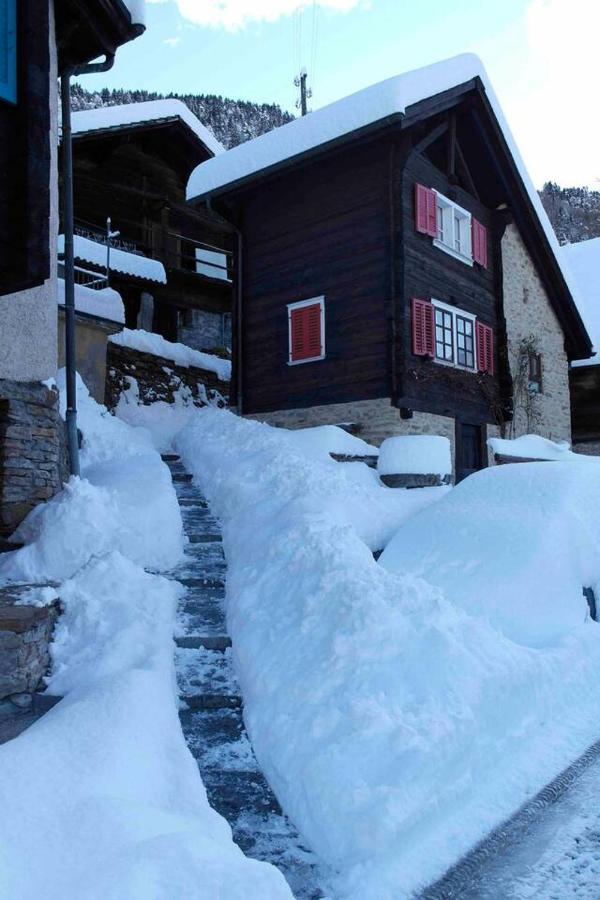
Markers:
{"x": 305, "y": 92}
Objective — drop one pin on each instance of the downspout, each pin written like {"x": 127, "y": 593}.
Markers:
{"x": 69, "y": 263}
{"x": 392, "y": 251}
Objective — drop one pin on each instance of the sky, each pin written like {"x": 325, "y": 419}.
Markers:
{"x": 540, "y": 54}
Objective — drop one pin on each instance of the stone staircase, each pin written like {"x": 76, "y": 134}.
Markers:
{"x": 211, "y": 714}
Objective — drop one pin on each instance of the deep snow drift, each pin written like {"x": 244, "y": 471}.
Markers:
{"x": 399, "y": 715}
{"x": 103, "y": 787}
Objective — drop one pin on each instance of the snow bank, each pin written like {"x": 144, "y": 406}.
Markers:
{"x": 532, "y": 446}
{"x": 417, "y": 454}
{"x": 87, "y": 120}
{"x": 103, "y": 786}
{"x": 161, "y": 419}
{"x": 389, "y": 98}
{"x": 120, "y": 260}
{"x": 148, "y": 342}
{"x": 398, "y": 724}
{"x": 584, "y": 261}
{"x": 107, "y": 304}
{"x": 124, "y": 501}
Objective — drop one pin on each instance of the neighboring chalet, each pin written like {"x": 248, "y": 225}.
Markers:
{"x": 584, "y": 261}
{"x": 170, "y": 263}
{"x": 39, "y": 39}
{"x": 398, "y": 269}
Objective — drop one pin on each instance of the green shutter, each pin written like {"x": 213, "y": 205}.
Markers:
{"x": 8, "y": 50}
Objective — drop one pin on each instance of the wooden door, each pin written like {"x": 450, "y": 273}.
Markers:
{"x": 470, "y": 449}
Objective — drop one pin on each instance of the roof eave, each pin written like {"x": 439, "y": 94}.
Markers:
{"x": 306, "y": 156}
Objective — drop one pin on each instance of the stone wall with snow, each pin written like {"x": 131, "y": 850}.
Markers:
{"x": 158, "y": 378}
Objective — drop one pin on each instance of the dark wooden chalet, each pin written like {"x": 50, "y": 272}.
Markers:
{"x": 130, "y": 165}
{"x": 372, "y": 283}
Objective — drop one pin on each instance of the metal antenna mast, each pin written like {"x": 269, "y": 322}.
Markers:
{"x": 305, "y": 92}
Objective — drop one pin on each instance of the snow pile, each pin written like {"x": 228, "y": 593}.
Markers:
{"x": 532, "y": 446}
{"x": 584, "y": 261}
{"x": 124, "y": 501}
{"x": 103, "y": 786}
{"x": 120, "y": 260}
{"x": 162, "y": 420}
{"x": 180, "y": 354}
{"x": 417, "y": 454}
{"x": 399, "y": 715}
{"x": 106, "y": 304}
{"x": 130, "y": 114}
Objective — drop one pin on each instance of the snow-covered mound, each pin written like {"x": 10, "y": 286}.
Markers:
{"x": 418, "y": 454}
{"x": 532, "y": 446}
{"x": 106, "y": 303}
{"x": 397, "y": 718}
{"x": 182, "y": 355}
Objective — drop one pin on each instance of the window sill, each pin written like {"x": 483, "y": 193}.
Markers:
{"x": 441, "y": 246}
{"x": 452, "y": 365}
{"x": 300, "y": 362}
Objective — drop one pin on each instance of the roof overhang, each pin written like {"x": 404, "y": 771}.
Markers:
{"x": 88, "y": 29}
{"x": 185, "y": 135}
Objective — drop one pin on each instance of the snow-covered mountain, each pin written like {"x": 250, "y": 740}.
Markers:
{"x": 231, "y": 121}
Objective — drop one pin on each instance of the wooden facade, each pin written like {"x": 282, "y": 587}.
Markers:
{"x": 585, "y": 405}
{"x": 339, "y": 223}
{"x": 136, "y": 175}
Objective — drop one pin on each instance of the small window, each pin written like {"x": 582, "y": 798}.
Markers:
{"x": 454, "y": 336}
{"x": 8, "y": 50}
{"x": 454, "y": 229}
{"x": 535, "y": 373}
{"x": 306, "y": 330}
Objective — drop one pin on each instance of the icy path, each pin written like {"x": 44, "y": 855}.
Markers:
{"x": 212, "y": 722}
{"x": 550, "y": 850}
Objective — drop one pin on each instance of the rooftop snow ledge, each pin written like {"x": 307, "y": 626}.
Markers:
{"x": 120, "y": 260}
{"x": 88, "y": 120}
{"x": 147, "y": 342}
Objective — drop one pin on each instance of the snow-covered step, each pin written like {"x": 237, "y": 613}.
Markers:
{"x": 205, "y": 537}
{"x": 191, "y": 502}
{"x": 170, "y": 457}
{"x": 181, "y": 477}
{"x": 212, "y": 701}
{"x": 205, "y": 641}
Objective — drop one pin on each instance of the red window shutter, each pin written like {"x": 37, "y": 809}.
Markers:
{"x": 479, "y": 242}
{"x": 423, "y": 332}
{"x": 485, "y": 347}
{"x": 425, "y": 210}
{"x": 306, "y": 340}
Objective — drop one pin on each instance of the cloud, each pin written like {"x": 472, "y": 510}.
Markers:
{"x": 558, "y": 91}
{"x": 235, "y": 14}
{"x": 172, "y": 41}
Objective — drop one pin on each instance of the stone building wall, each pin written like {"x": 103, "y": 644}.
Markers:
{"x": 204, "y": 330}
{"x": 528, "y": 313}
{"x": 25, "y": 634}
{"x": 33, "y": 456}
{"x": 158, "y": 378}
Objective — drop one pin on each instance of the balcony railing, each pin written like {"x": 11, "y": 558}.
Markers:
{"x": 199, "y": 257}
{"x": 94, "y": 280}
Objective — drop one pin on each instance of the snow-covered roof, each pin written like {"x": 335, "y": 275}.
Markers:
{"x": 120, "y": 260}
{"x": 583, "y": 259}
{"x": 89, "y": 120}
{"x": 374, "y": 104}
{"x": 137, "y": 11}
{"x": 105, "y": 304}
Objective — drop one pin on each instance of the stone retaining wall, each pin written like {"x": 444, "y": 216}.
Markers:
{"x": 159, "y": 378}
{"x": 33, "y": 456}
{"x": 25, "y": 634}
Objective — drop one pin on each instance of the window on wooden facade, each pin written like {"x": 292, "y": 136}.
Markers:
{"x": 306, "y": 329}
{"x": 535, "y": 373}
{"x": 8, "y": 50}
{"x": 454, "y": 336}
{"x": 454, "y": 229}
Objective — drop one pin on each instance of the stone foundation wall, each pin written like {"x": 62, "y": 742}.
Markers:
{"x": 25, "y": 634}
{"x": 205, "y": 330}
{"x": 33, "y": 456}
{"x": 377, "y": 420}
{"x": 528, "y": 313}
{"x": 587, "y": 448}
{"x": 158, "y": 378}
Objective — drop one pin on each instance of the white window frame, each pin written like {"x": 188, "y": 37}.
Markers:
{"x": 451, "y": 213}
{"x": 454, "y": 312}
{"x": 298, "y": 305}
